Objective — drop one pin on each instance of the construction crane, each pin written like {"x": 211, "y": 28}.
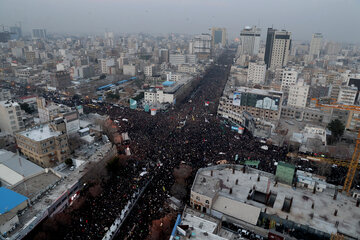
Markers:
{"x": 356, "y": 155}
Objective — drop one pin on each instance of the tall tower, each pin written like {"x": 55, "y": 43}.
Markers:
{"x": 278, "y": 45}
{"x": 315, "y": 45}
{"x": 250, "y": 40}
{"x": 218, "y": 36}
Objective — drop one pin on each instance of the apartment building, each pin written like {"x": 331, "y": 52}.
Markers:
{"x": 45, "y": 145}
{"x": 298, "y": 94}
{"x": 11, "y": 119}
{"x": 256, "y": 73}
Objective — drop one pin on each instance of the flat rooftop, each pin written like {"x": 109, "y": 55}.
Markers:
{"x": 321, "y": 217}
{"x": 34, "y": 185}
{"x": 40, "y": 133}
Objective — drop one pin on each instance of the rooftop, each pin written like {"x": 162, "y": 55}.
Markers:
{"x": 321, "y": 217}
{"x": 40, "y": 133}
{"x": 9, "y": 199}
{"x": 14, "y": 168}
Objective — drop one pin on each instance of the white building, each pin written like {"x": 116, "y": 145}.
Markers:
{"x": 202, "y": 46}
{"x": 278, "y": 44}
{"x": 298, "y": 94}
{"x": 5, "y": 94}
{"x": 10, "y": 117}
{"x": 158, "y": 96}
{"x": 250, "y": 40}
{"x": 107, "y": 66}
{"x": 256, "y": 73}
{"x": 149, "y": 70}
{"x": 315, "y": 45}
{"x": 129, "y": 70}
{"x": 177, "y": 59}
{"x": 289, "y": 77}
{"x": 347, "y": 95}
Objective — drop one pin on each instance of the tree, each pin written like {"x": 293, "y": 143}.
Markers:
{"x": 337, "y": 129}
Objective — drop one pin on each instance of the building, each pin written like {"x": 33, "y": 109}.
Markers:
{"x": 298, "y": 95}
{"x": 177, "y": 59}
{"x": 256, "y": 73}
{"x": 347, "y": 95}
{"x": 129, "y": 70}
{"x": 61, "y": 80}
{"x": 107, "y": 66}
{"x": 5, "y": 36}
{"x": 250, "y": 41}
{"x": 315, "y": 45}
{"x": 202, "y": 46}
{"x": 11, "y": 203}
{"x": 261, "y": 104}
{"x": 149, "y": 70}
{"x": 218, "y": 36}
{"x": 82, "y": 72}
{"x": 45, "y": 145}
{"x": 164, "y": 55}
{"x": 11, "y": 119}
{"x": 15, "y": 32}
{"x": 277, "y": 50}
{"x": 15, "y": 168}
{"x": 5, "y": 94}
{"x": 246, "y": 196}
{"x": 289, "y": 77}
{"x": 39, "y": 34}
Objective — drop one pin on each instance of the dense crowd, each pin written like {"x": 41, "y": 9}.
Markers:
{"x": 190, "y": 134}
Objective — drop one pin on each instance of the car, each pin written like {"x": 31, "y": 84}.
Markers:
{"x": 72, "y": 168}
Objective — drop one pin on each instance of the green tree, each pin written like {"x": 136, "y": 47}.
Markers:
{"x": 337, "y": 129}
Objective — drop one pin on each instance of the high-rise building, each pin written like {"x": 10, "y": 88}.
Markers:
{"x": 109, "y": 39}
{"x": 298, "y": 94}
{"x": 164, "y": 55}
{"x": 202, "y": 46}
{"x": 256, "y": 73}
{"x": 278, "y": 45}
{"x": 15, "y": 33}
{"x": 218, "y": 36}
{"x": 38, "y": 33}
{"x": 315, "y": 45}
{"x": 250, "y": 40}
{"x": 289, "y": 77}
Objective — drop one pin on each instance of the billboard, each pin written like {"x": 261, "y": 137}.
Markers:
{"x": 237, "y": 99}
{"x": 257, "y": 100}
{"x": 133, "y": 104}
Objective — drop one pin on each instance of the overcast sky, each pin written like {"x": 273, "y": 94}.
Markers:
{"x": 338, "y": 20}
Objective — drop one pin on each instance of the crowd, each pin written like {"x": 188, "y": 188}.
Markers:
{"x": 191, "y": 134}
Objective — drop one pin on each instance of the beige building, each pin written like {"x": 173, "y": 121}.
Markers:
{"x": 218, "y": 36}
{"x": 278, "y": 46}
{"x": 347, "y": 95}
{"x": 261, "y": 104}
{"x": 256, "y": 73}
{"x": 298, "y": 94}
{"x": 289, "y": 77}
{"x": 10, "y": 117}
{"x": 45, "y": 145}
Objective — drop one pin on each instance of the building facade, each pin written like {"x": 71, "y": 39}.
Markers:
{"x": 250, "y": 40}
{"x": 298, "y": 95}
{"x": 11, "y": 119}
{"x": 256, "y": 73}
{"x": 277, "y": 50}
{"x": 289, "y": 77}
{"x": 45, "y": 145}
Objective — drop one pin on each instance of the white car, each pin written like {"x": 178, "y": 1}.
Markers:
{"x": 72, "y": 168}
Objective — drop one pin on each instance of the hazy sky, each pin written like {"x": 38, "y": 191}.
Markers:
{"x": 338, "y": 20}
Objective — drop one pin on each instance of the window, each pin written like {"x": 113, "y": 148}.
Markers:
{"x": 207, "y": 201}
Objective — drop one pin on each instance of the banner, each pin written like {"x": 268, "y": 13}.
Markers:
{"x": 133, "y": 104}
{"x": 146, "y": 108}
{"x": 237, "y": 99}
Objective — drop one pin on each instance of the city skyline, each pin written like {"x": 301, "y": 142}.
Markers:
{"x": 333, "y": 18}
